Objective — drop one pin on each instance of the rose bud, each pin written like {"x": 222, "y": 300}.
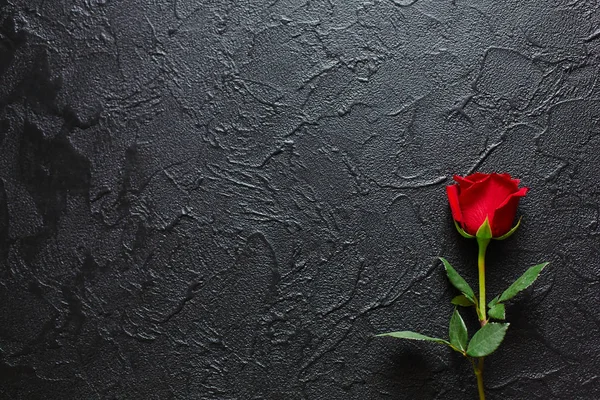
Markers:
{"x": 480, "y": 196}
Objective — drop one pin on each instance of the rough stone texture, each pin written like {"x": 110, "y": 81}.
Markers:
{"x": 228, "y": 199}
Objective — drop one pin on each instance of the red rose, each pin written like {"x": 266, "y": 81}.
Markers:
{"x": 479, "y": 195}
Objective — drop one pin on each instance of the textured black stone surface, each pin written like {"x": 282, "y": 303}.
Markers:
{"x": 228, "y": 199}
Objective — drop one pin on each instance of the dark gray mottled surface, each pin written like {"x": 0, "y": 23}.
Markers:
{"x": 227, "y": 199}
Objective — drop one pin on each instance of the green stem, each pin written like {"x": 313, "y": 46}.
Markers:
{"x": 483, "y": 243}
{"x": 479, "y": 375}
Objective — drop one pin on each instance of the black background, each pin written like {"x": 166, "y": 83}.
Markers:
{"x": 228, "y": 199}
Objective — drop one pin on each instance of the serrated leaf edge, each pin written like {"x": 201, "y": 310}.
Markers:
{"x": 420, "y": 337}
{"x": 543, "y": 266}
{"x": 497, "y": 306}
{"x": 447, "y": 265}
{"x": 463, "y": 327}
{"x": 505, "y": 324}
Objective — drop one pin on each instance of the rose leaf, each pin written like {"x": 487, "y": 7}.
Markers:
{"x": 487, "y": 339}
{"x": 497, "y": 312}
{"x": 413, "y": 336}
{"x": 522, "y": 283}
{"x": 461, "y": 300}
{"x": 458, "y": 332}
{"x": 458, "y": 282}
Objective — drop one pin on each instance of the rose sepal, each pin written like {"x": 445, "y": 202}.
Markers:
{"x": 484, "y": 233}
{"x": 509, "y": 233}
{"x": 462, "y": 232}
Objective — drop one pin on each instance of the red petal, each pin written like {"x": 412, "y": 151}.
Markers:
{"x": 482, "y": 199}
{"x": 504, "y": 215}
{"x": 467, "y": 181}
{"x": 452, "y": 192}
{"x": 476, "y": 177}
{"x": 508, "y": 178}
{"x": 462, "y": 182}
